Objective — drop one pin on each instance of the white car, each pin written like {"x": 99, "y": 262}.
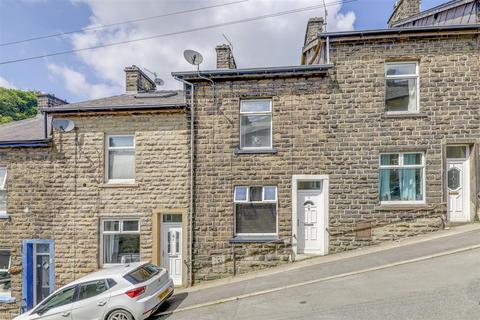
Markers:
{"x": 128, "y": 292}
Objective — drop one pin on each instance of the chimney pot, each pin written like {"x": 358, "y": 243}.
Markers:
{"x": 225, "y": 59}
{"x": 137, "y": 81}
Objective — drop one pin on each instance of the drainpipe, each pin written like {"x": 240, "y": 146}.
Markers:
{"x": 45, "y": 125}
{"x": 192, "y": 149}
{"x": 327, "y": 51}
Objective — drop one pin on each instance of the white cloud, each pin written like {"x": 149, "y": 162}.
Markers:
{"x": 268, "y": 42}
{"x": 6, "y": 84}
{"x": 76, "y": 83}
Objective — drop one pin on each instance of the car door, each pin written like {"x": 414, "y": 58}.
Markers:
{"x": 56, "y": 307}
{"x": 92, "y": 300}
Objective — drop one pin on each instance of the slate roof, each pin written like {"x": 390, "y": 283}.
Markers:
{"x": 24, "y": 130}
{"x": 157, "y": 99}
{"x": 30, "y": 132}
{"x": 455, "y": 12}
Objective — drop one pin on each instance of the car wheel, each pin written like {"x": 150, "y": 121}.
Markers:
{"x": 120, "y": 315}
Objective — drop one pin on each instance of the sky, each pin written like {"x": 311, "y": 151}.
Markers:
{"x": 92, "y": 74}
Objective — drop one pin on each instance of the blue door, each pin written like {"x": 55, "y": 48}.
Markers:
{"x": 38, "y": 271}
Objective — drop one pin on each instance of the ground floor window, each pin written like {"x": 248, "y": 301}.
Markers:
{"x": 402, "y": 177}
{"x": 5, "y": 281}
{"x": 120, "y": 241}
{"x": 255, "y": 210}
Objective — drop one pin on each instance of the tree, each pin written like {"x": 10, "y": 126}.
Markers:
{"x": 16, "y": 105}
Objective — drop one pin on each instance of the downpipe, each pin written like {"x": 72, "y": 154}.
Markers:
{"x": 192, "y": 162}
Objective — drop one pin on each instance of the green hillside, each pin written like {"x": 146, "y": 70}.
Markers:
{"x": 16, "y": 105}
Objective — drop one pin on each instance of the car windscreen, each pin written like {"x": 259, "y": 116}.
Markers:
{"x": 142, "y": 274}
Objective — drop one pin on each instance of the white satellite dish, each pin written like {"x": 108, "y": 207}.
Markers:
{"x": 193, "y": 57}
{"x": 159, "y": 82}
{"x": 63, "y": 125}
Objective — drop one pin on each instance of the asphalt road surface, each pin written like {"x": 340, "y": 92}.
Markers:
{"x": 446, "y": 287}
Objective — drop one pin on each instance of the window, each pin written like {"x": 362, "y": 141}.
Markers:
{"x": 142, "y": 274}
{"x": 3, "y": 191}
{"x": 402, "y": 178}
{"x": 402, "y": 87}
{"x": 91, "y": 289}
{"x": 5, "y": 281}
{"x": 120, "y": 159}
{"x": 256, "y": 124}
{"x": 59, "y": 299}
{"x": 456, "y": 152}
{"x": 255, "y": 210}
{"x": 120, "y": 241}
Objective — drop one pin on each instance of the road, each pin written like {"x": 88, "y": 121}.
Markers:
{"x": 446, "y": 287}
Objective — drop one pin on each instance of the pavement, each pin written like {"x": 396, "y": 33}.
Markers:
{"x": 293, "y": 280}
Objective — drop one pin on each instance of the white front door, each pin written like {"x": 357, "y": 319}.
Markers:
{"x": 172, "y": 250}
{"x": 311, "y": 225}
{"x": 458, "y": 183}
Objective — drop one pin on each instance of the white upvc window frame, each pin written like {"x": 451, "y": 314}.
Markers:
{"x": 415, "y": 76}
{"x": 3, "y": 188}
{"x": 7, "y": 270}
{"x": 261, "y": 201}
{"x": 256, "y": 113}
{"x": 107, "y": 158}
{"x": 120, "y": 231}
{"x": 403, "y": 166}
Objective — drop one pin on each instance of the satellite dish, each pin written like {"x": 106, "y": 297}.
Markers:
{"x": 193, "y": 57}
{"x": 63, "y": 125}
{"x": 159, "y": 82}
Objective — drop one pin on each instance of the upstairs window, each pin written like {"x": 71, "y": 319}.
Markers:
{"x": 120, "y": 159}
{"x": 256, "y": 124}
{"x": 402, "y": 178}
{"x": 5, "y": 281}
{"x": 3, "y": 191}
{"x": 255, "y": 210}
{"x": 402, "y": 87}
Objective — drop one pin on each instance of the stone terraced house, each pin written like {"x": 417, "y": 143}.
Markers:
{"x": 375, "y": 136}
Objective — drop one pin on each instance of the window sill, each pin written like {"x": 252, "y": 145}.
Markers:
{"x": 7, "y": 299}
{"x": 255, "y": 151}
{"x": 388, "y": 115}
{"x": 406, "y": 206}
{"x": 4, "y": 215}
{"x": 254, "y": 239}
{"x": 119, "y": 185}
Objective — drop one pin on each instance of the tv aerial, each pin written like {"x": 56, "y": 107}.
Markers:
{"x": 63, "y": 125}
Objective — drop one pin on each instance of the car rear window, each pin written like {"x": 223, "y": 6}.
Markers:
{"x": 142, "y": 274}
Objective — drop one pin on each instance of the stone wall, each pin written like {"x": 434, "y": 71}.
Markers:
{"x": 335, "y": 126}
{"x": 60, "y": 193}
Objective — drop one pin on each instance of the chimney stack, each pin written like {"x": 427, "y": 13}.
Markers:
{"x": 402, "y": 10}
{"x": 137, "y": 81}
{"x": 47, "y": 100}
{"x": 314, "y": 27}
{"x": 225, "y": 59}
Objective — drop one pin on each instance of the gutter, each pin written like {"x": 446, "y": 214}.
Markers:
{"x": 286, "y": 71}
{"x": 395, "y": 31}
{"x": 25, "y": 143}
{"x": 192, "y": 178}
{"x": 71, "y": 109}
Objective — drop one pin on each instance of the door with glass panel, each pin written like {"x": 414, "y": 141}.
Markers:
{"x": 38, "y": 271}
{"x": 172, "y": 250}
{"x": 457, "y": 183}
{"x": 311, "y": 217}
